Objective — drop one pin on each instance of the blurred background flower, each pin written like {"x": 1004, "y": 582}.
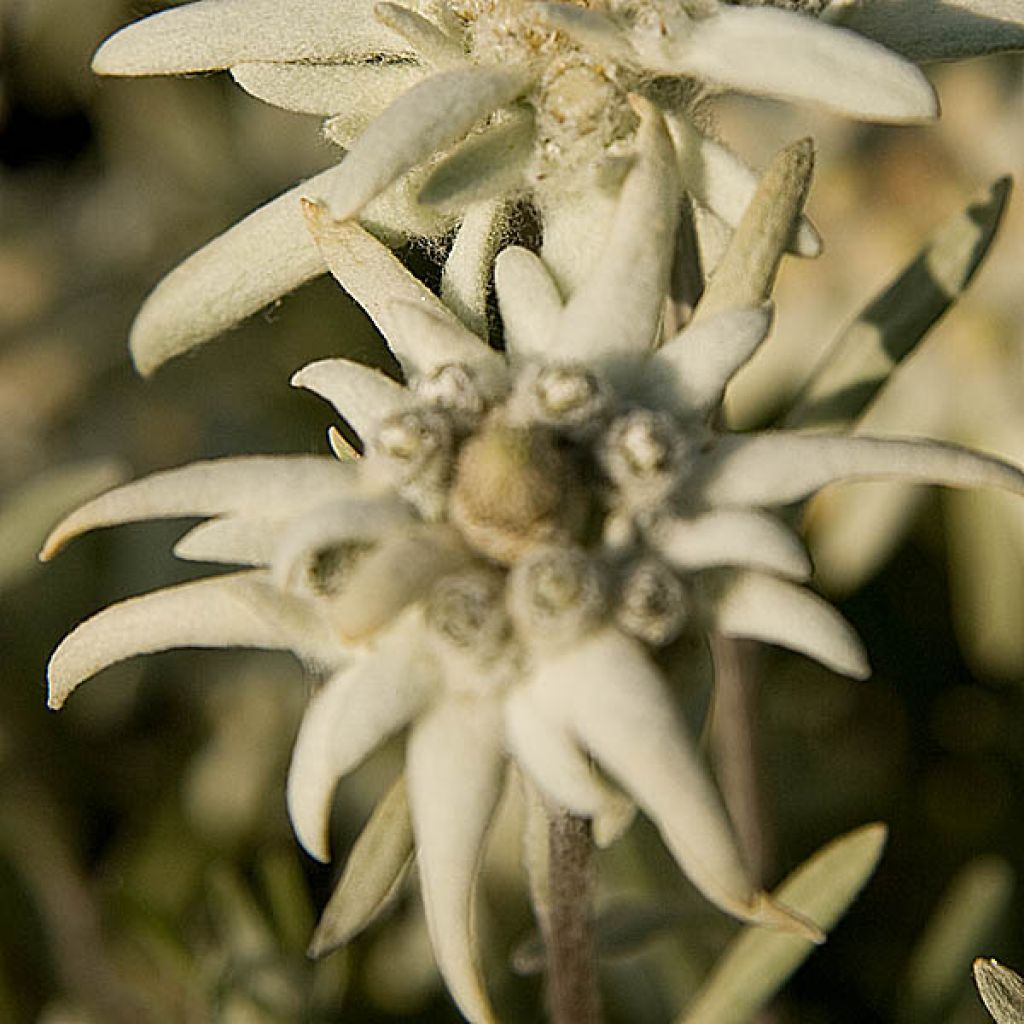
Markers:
{"x": 146, "y": 870}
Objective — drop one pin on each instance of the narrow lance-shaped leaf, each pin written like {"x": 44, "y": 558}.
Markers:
{"x": 214, "y": 34}
{"x": 372, "y": 876}
{"x": 788, "y": 55}
{"x": 746, "y": 273}
{"x": 965, "y": 919}
{"x": 758, "y": 963}
{"x": 861, "y": 359}
{"x": 1002, "y": 991}
{"x": 530, "y": 303}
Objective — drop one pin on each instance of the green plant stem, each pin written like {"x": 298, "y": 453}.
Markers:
{"x": 571, "y": 969}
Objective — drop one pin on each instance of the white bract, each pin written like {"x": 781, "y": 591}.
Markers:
{"x": 450, "y": 109}
{"x": 494, "y": 575}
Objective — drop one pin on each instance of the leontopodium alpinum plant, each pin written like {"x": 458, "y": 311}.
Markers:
{"x": 453, "y": 111}
{"x": 522, "y": 531}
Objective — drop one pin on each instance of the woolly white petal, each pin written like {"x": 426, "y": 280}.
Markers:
{"x": 731, "y": 536}
{"x": 346, "y": 720}
{"x": 363, "y": 395}
{"x": 549, "y": 754}
{"x": 256, "y": 483}
{"x": 698, "y": 363}
{"x": 777, "y": 468}
{"x": 770, "y": 52}
{"x": 374, "y": 276}
{"x": 454, "y": 769}
{"x": 530, "y": 304}
{"x": 925, "y": 30}
{"x": 399, "y": 571}
{"x": 326, "y": 89}
{"x": 429, "y": 341}
{"x": 248, "y": 540}
{"x": 606, "y": 690}
{"x": 466, "y": 279}
{"x": 617, "y": 309}
{"x": 747, "y": 604}
{"x": 214, "y": 34}
{"x": 261, "y": 258}
{"x": 719, "y": 180}
{"x": 236, "y": 610}
{"x": 420, "y": 123}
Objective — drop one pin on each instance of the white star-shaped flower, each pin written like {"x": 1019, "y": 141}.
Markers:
{"x": 448, "y": 110}
{"x": 524, "y": 530}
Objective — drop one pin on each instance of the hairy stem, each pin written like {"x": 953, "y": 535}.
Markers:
{"x": 572, "y": 973}
{"x": 734, "y": 741}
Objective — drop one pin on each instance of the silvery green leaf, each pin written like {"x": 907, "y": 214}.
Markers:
{"x": 454, "y": 772}
{"x": 346, "y": 720}
{"x": 326, "y": 89}
{"x": 371, "y": 273}
{"x": 466, "y": 277}
{"x": 215, "y": 34}
{"x": 364, "y": 396}
{"x": 605, "y": 690}
{"x": 780, "y": 467}
{"x": 695, "y": 366}
{"x": 422, "y": 122}
{"x": 373, "y": 873}
{"x": 237, "y": 540}
{"x": 926, "y": 30}
{"x": 759, "y": 961}
{"x": 1002, "y": 991}
{"x": 617, "y": 309}
{"x": 786, "y": 55}
{"x": 546, "y": 751}
{"x": 491, "y": 162}
{"x": 964, "y": 921}
{"x": 861, "y": 359}
{"x": 432, "y": 46}
{"x": 27, "y": 515}
{"x": 397, "y": 572}
{"x": 754, "y": 606}
{"x": 530, "y": 304}
{"x": 235, "y": 610}
{"x": 731, "y": 537}
{"x": 717, "y": 179}
{"x": 253, "y": 483}
{"x": 746, "y": 272}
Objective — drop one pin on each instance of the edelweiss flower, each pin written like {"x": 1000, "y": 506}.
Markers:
{"x": 523, "y": 531}
{"x": 449, "y": 108}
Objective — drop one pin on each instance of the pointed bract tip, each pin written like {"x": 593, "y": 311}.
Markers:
{"x": 772, "y": 914}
